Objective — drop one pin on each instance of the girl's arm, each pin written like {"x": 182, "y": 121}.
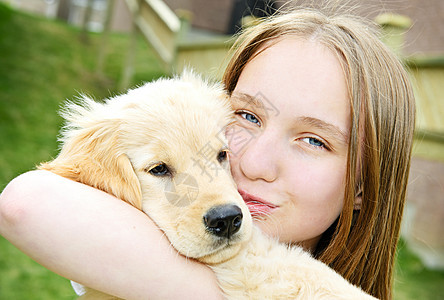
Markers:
{"x": 95, "y": 239}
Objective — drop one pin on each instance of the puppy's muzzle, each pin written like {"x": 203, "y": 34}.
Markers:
{"x": 224, "y": 220}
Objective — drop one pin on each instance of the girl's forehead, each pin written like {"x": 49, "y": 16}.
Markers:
{"x": 299, "y": 78}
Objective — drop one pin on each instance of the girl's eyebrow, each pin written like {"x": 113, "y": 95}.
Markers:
{"x": 247, "y": 99}
{"x": 329, "y": 128}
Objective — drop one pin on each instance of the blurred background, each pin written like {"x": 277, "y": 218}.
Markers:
{"x": 52, "y": 50}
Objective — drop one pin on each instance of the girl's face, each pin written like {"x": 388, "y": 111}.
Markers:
{"x": 290, "y": 139}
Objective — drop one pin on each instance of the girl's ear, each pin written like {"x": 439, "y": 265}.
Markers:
{"x": 358, "y": 200}
{"x": 91, "y": 156}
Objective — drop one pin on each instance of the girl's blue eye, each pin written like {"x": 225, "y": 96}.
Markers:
{"x": 314, "y": 142}
{"x": 249, "y": 117}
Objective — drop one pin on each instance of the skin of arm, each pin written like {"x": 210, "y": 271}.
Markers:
{"x": 95, "y": 239}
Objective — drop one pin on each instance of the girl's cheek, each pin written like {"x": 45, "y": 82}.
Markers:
{"x": 317, "y": 180}
{"x": 238, "y": 139}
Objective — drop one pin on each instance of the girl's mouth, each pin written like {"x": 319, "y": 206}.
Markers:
{"x": 258, "y": 207}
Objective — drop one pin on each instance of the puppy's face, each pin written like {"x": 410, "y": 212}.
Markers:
{"x": 161, "y": 148}
{"x": 173, "y": 135}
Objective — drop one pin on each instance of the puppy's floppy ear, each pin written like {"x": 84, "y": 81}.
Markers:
{"x": 91, "y": 155}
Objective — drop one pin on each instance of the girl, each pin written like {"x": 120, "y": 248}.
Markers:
{"x": 320, "y": 153}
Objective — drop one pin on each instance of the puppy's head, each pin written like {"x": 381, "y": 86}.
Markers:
{"x": 161, "y": 147}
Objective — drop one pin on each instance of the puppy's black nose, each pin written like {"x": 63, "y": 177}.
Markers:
{"x": 223, "y": 220}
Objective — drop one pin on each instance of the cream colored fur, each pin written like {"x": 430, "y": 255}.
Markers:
{"x": 180, "y": 122}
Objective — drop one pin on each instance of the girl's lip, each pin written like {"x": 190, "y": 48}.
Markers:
{"x": 257, "y": 206}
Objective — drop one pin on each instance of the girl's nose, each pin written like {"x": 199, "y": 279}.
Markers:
{"x": 260, "y": 157}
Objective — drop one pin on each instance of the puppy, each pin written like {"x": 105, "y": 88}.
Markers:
{"x": 161, "y": 148}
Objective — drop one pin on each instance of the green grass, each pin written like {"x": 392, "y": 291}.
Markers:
{"x": 43, "y": 63}
{"x": 413, "y": 280}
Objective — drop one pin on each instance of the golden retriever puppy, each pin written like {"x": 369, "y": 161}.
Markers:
{"x": 161, "y": 148}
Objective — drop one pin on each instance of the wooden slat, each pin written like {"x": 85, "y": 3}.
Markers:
{"x": 158, "y": 24}
{"x": 429, "y": 92}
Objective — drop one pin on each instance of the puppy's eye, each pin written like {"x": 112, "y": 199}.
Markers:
{"x": 160, "y": 169}
{"x": 222, "y": 156}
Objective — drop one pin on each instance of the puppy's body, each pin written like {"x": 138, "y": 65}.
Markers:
{"x": 161, "y": 148}
{"x": 266, "y": 269}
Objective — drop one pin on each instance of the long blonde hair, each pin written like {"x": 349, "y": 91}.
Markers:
{"x": 361, "y": 244}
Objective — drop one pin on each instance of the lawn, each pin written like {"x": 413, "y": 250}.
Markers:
{"x": 44, "y": 62}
